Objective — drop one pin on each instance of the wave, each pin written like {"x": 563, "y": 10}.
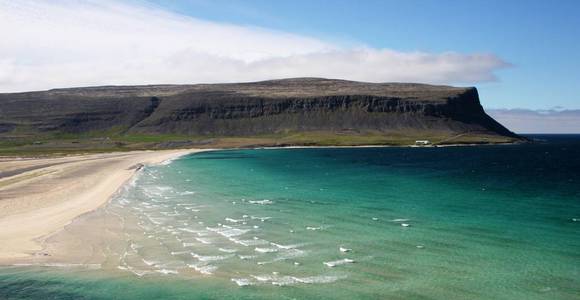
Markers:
{"x": 286, "y": 246}
{"x": 227, "y": 231}
{"x": 206, "y": 258}
{"x": 247, "y": 243}
{"x": 189, "y": 230}
{"x": 150, "y": 262}
{"x": 262, "y": 219}
{"x": 140, "y": 273}
{"x": 203, "y": 268}
{"x": 266, "y": 250}
{"x": 261, "y": 202}
{"x": 339, "y": 262}
{"x": 319, "y": 279}
{"x": 231, "y": 220}
{"x": 226, "y": 250}
{"x": 400, "y": 220}
{"x": 167, "y": 272}
{"x": 278, "y": 280}
{"x": 242, "y": 281}
{"x": 203, "y": 240}
{"x": 314, "y": 228}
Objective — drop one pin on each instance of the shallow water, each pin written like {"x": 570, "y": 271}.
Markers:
{"x": 493, "y": 222}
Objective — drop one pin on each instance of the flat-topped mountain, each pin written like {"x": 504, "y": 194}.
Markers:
{"x": 308, "y": 109}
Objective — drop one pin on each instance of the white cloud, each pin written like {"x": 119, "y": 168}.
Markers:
{"x": 538, "y": 121}
{"x": 72, "y": 43}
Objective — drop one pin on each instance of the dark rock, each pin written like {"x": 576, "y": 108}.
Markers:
{"x": 246, "y": 109}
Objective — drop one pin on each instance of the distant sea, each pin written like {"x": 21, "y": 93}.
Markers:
{"x": 482, "y": 222}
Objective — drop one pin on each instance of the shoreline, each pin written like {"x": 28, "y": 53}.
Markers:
{"x": 378, "y": 146}
{"x": 43, "y": 199}
{"x": 51, "y": 192}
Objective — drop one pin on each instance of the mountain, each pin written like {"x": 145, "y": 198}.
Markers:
{"x": 288, "y": 111}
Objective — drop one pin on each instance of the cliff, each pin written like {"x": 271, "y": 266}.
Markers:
{"x": 274, "y": 108}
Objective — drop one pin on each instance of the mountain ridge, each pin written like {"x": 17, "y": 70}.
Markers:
{"x": 282, "y": 108}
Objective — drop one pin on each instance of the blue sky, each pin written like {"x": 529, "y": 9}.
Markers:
{"x": 540, "y": 39}
{"x": 523, "y": 56}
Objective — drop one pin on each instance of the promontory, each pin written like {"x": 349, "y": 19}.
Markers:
{"x": 298, "y": 111}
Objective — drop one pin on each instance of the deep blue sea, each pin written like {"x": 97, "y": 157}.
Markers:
{"x": 482, "y": 222}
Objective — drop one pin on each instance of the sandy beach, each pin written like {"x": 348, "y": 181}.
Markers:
{"x": 39, "y": 197}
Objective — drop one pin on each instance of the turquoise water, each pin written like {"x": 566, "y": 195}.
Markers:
{"x": 493, "y": 222}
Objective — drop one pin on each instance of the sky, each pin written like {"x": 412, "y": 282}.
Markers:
{"x": 523, "y": 56}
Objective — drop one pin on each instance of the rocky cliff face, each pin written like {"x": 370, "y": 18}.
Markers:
{"x": 249, "y": 109}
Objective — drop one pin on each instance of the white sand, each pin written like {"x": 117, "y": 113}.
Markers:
{"x": 53, "y": 191}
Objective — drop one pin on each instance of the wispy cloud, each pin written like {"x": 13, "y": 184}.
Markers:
{"x": 47, "y": 44}
{"x": 538, "y": 121}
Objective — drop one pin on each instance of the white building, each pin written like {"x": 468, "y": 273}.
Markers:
{"x": 422, "y": 142}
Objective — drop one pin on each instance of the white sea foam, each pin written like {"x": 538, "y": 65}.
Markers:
{"x": 228, "y": 231}
{"x": 231, "y": 220}
{"x": 166, "y": 271}
{"x": 285, "y": 246}
{"x": 170, "y": 213}
{"x": 243, "y": 281}
{"x": 313, "y": 228}
{"x": 260, "y": 218}
{"x": 150, "y": 262}
{"x": 203, "y": 268}
{"x": 263, "y": 277}
{"x": 343, "y": 249}
{"x": 206, "y": 258}
{"x": 248, "y": 243}
{"x": 140, "y": 273}
{"x": 319, "y": 279}
{"x": 189, "y": 230}
{"x": 203, "y": 240}
{"x": 158, "y": 221}
{"x": 285, "y": 255}
{"x": 232, "y": 232}
{"x": 278, "y": 280}
{"x": 339, "y": 262}
{"x": 187, "y": 193}
{"x": 266, "y": 250}
{"x": 261, "y": 202}
{"x": 400, "y": 220}
{"x": 192, "y": 208}
{"x": 227, "y": 250}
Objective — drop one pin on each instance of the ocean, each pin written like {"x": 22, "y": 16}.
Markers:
{"x": 481, "y": 222}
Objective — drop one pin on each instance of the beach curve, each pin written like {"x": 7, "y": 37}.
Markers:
{"x": 49, "y": 193}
